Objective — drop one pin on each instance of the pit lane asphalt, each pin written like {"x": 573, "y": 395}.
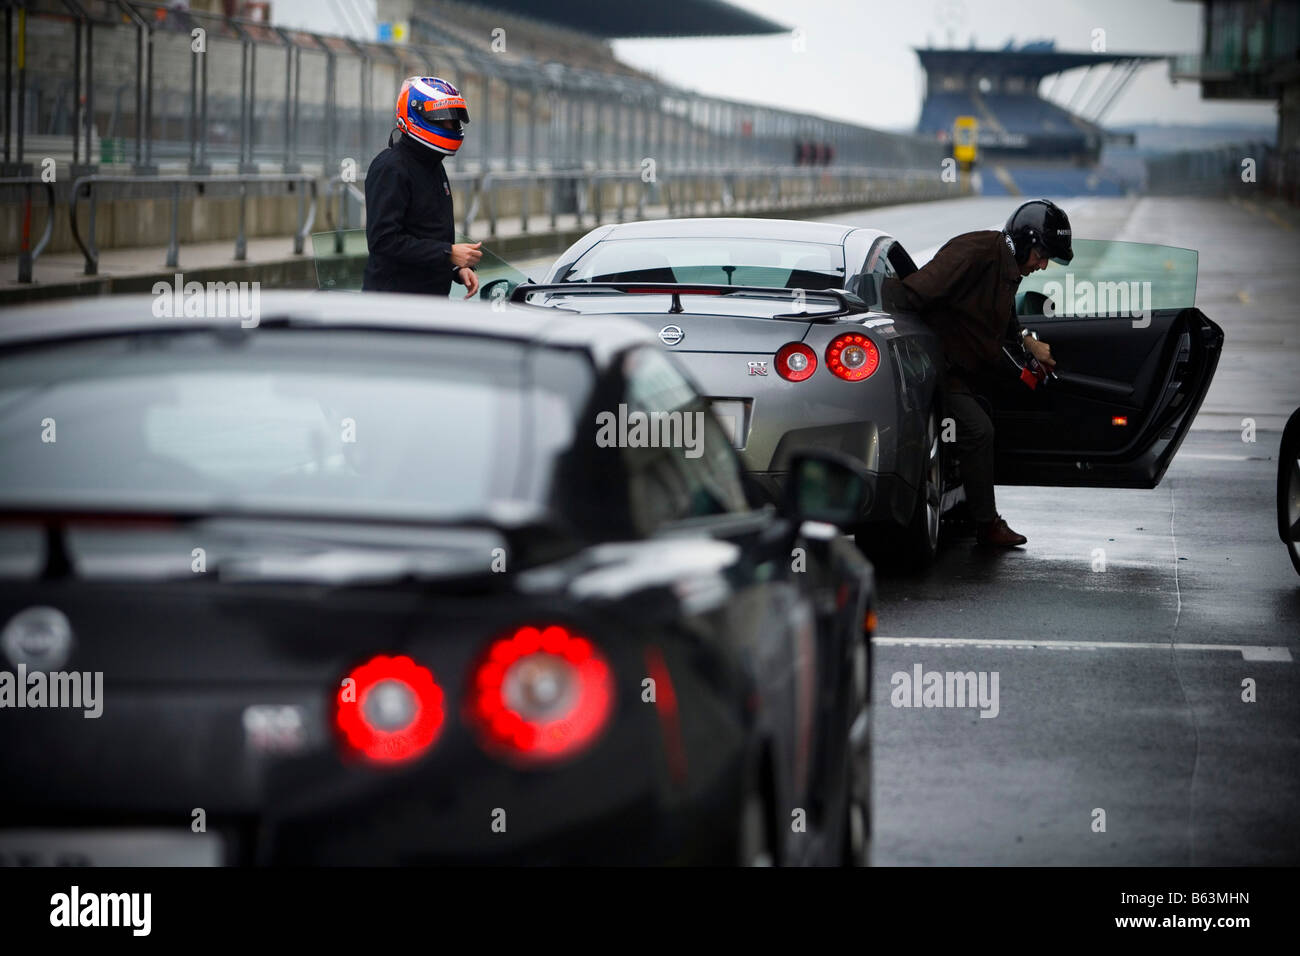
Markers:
{"x": 1117, "y": 713}
{"x": 1156, "y": 736}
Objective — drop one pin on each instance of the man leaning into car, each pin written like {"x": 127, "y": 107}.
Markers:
{"x": 966, "y": 293}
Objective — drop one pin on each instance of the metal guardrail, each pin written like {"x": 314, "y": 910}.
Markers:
{"x": 304, "y": 97}
{"x": 27, "y": 255}
{"x": 86, "y": 184}
{"x": 716, "y": 189}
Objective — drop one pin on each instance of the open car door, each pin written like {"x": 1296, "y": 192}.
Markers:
{"x": 1135, "y": 358}
{"x": 340, "y": 257}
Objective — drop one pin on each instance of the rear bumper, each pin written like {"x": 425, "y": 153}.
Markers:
{"x": 892, "y": 500}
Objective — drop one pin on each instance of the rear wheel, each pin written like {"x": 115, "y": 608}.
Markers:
{"x": 857, "y": 823}
{"x": 755, "y": 848}
{"x": 913, "y": 547}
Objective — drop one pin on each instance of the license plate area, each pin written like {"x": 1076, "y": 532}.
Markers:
{"x": 110, "y": 847}
{"x": 735, "y": 415}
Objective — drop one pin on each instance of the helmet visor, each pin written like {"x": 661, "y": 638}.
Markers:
{"x": 443, "y": 115}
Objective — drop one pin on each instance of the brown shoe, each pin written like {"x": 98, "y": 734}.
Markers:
{"x": 996, "y": 534}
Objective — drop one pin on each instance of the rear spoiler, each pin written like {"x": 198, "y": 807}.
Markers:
{"x": 531, "y": 537}
{"x": 846, "y": 302}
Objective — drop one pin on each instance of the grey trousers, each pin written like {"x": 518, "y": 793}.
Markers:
{"x": 975, "y": 452}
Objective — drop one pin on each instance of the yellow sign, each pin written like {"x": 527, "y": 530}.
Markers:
{"x": 965, "y": 132}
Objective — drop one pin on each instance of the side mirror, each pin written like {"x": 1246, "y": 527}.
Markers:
{"x": 497, "y": 289}
{"x": 828, "y": 486}
{"x": 1034, "y": 303}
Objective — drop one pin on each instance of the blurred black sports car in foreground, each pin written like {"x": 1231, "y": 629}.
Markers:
{"x": 367, "y": 583}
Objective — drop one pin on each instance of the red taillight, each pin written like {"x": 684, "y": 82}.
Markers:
{"x": 852, "y": 356}
{"x": 795, "y": 361}
{"x": 390, "y": 709}
{"x": 540, "y": 694}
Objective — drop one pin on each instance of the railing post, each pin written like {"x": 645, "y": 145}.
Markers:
{"x": 241, "y": 244}
{"x": 173, "y": 242}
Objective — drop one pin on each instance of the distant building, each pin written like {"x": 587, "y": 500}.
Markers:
{"x": 1251, "y": 51}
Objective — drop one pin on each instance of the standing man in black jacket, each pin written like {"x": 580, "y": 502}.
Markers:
{"x": 410, "y": 224}
{"x": 967, "y": 293}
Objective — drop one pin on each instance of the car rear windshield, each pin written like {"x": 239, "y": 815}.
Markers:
{"x": 719, "y": 261}
{"x": 325, "y": 422}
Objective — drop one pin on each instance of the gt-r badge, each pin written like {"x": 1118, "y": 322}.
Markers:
{"x": 757, "y": 368}
{"x": 671, "y": 334}
{"x": 39, "y": 638}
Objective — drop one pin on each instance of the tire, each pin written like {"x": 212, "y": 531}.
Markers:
{"x": 1288, "y": 488}
{"x": 857, "y": 798}
{"x": 753, "y": 846}
{"x": 913, "y": 547}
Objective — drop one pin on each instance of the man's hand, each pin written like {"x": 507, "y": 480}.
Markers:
{"x": 466, "y": 254}
{"x": 1041, "y": 351}
{"x": 470, "y": 279}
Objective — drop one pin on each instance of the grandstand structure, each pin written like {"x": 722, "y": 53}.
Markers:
{"x": 1028, "y": 143}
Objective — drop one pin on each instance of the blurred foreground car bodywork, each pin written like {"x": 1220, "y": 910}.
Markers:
{"x": 365, "y": 587}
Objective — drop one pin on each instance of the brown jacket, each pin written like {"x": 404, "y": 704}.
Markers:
{"x": 967, "y": 294}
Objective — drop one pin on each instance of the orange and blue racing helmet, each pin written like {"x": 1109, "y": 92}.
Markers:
{"x": 431, "y": 111}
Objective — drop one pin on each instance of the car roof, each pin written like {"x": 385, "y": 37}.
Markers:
{"x": 791, "y": 230}
{"x": 378, "y": 311}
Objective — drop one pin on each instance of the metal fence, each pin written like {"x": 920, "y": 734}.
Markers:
{"x": 1238, "y": 169}
{"x": 113, "y": 81}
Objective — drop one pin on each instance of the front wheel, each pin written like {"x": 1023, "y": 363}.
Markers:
{"x": 1288, "y": 488}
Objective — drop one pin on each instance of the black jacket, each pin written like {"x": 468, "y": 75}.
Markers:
{"x": 967, "y": 294}
{"x": 410, "y": 225}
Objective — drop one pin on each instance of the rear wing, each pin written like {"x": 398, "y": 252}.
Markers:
{"x": 846, "y": 303}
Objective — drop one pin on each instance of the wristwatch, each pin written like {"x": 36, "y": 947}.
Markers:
{"x": 1029, "y": 332}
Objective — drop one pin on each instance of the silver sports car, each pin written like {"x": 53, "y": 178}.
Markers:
{"x": 779, "y": 324}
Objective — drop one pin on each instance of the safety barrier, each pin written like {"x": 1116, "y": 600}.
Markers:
{"x": 87, "y": 184}
{"x": 27, "y": 254}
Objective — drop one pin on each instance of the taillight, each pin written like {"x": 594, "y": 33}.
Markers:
{"x": 852, "y": 356}
{"x": 795, "y": 361}
{"x": 541, "y": 694}
{"x": 390, "y": 709}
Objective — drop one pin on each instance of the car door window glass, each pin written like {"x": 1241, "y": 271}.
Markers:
{"x": 1111, "y": 280}
{"x": 681, "y": 463}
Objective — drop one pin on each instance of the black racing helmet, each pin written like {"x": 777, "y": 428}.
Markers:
{"x": 1042, "y": 225}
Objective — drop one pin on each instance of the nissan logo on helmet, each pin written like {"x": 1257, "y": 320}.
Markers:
{"x": 671, "y": 334}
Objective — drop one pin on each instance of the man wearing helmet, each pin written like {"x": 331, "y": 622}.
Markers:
{"x": 410, "y": 224}
{"x": 967, "y": 294}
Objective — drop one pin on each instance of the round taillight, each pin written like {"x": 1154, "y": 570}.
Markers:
{"x": 541, "y": 694}
{"x": 390, "y": 709}
{"x": 795, "y": 361}
{"x": 852, "y": 356}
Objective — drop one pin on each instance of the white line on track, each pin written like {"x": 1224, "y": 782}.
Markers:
{"x": 1250, "y": 652}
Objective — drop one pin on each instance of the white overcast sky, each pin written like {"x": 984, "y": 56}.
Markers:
{"x": 858, "y": 62}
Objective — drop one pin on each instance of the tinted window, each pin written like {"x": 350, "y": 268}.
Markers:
{"x": 1111, "y": 279}
{"x": 694, "y": 470}
{"x": 304, "y": 421}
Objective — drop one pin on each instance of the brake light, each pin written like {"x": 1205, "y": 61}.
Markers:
{"x": 795, "y": 361}
{"x": 390, "y": 709}
{"x": 852, "y": 356}
{"x": 541, "y": 694}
